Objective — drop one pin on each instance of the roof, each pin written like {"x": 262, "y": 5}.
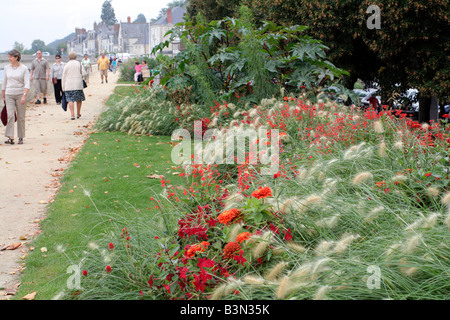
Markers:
{"x": 134, "y": 30}
{"x": 177, "y": 16}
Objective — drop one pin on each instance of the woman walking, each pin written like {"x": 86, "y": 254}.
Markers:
{"x": 16, "y": 83}
{"x": 56, "y": 75}
{"x": 87, "y": 65}
{"x": 72, "y": 84}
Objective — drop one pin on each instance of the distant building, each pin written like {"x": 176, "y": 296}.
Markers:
{"x": 160, "y": 27}
{"x": 133, "y": 38}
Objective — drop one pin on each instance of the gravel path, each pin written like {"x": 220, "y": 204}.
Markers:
{"x": 30, "y": 172}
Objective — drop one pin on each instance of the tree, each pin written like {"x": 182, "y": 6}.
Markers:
{"x": 140, "y": 19}
{"x": 108, "y": 16}
{"x": 38, "y": 45}
{"x": 410, "y": 50}
{"x": 212, "y": 9}
{"x": 19, "y": 47}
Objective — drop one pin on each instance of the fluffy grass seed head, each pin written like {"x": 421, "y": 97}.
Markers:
{"x": 362, "y": 177}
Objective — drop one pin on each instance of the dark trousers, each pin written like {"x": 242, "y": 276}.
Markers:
{"x": 58, "y": 91}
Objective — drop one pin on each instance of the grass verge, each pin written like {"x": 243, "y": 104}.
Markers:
{"x": 110, "y": 177}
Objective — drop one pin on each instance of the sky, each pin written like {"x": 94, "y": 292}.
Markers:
{"x": 48, "y": 20}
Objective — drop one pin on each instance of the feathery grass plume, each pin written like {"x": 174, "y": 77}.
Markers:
{"x": 373, "y": 214}
{"x": 226, "y": 288}
{"x": 296, "y": 247}
{"x": 329, "y": 222}
{"x": 409, "y": 271}
{"x": 393, "y": 248}
{"x": 447, "y": 218}
{"x": 416, "y": 224}
{"x": 254, "y": 280}
{"x": 382, "y": 149}
{"x": 446, "y": 198}
{"x": 234, "y": 231}
{"x": 399, "y": 178}
{"x": 412, "y": 243}
{"x": 431, "y": 220}
{"x": 258, "y": 251}
{"x": 378, "y": 126}
{"x": 432, "y": 191}
{"x": 345, "y": 241}
{"x": 321, "y": 293}
{"x": 282, "y": 290}
{"x": 273, "y": 273}
{"x": 398, "y": 145}
{"x": 323, "y": 247}
{"x": 218, "y": 293}
{"x": 319, "y": 266}
{"x": 362, "y": 177}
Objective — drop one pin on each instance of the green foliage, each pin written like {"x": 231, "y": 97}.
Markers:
{"x": 108, "y": 15}
{"x": 238, "y": 61}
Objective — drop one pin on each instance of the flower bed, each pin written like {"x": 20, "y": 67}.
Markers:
{"x": 359, "y": 209}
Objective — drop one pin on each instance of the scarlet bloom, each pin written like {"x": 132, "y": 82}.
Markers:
{"x": 262, "y": 192}
{"x": 196, "y": 248}
{"x": 111, "y": 245}
{"x": 108, "y": 269}
{"x": 85, "y": 273}
{"x": 243, "y": 236}
{"x": 230, "y": 249}
{"x": 229, "y": 216}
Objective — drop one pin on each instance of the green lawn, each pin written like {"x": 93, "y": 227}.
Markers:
{"x": 108, "y": 180}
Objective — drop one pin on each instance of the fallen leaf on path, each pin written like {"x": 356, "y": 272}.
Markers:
{"x": 30, "y": 296}
{"x": 12, "y": 246}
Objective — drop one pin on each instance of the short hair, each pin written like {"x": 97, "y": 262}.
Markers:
{"x": 72, "y": 55}
{"x": 58, "y": 56}
{"x": 15, "y": 53}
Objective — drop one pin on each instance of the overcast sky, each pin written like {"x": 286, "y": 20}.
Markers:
{"x": 48, "y": 20}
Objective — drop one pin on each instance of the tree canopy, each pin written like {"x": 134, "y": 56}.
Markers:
{"x": 108, "y": 16}
{"x": 410, "y": 50}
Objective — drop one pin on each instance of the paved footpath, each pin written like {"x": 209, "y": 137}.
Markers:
{"x": 30, "y": 172}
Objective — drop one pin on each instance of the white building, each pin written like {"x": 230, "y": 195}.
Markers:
{"x": 160, "y": 27}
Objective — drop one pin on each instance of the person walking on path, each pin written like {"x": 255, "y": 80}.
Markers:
{"x": 87, "y": 65}
{"x": 16, "y": 83}
{"x": 72, "y": 84}
{"x": 56, "y": 75}
{"x": 103, "y": 66}
{"x": 40, "y": 71}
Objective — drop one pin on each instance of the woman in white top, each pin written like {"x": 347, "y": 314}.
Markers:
{"x": 16, "y": 83}
{"x": 56, "y": 75}
{"x": 72, "y": 84}
{"x": 87, "y": 65}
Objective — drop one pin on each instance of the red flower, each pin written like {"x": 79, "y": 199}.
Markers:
{"x": 85, "y": 273}
{"x": 230, "y": 216}
{"x": 262, "y": 192}
{"x": 239, "y": 258}
{"x": 445, "y": 116}
{"x": 243, "y": 236}
{"x": 230, "y": 249}
{"x": 288, "y": 235}
{"x": 108, "y": 269}
{"x": 111, "y": 245}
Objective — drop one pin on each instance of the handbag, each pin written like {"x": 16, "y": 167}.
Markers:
{"x": 64, "y": 101}
{"x": 55, "y": 80}
{"x": 4, "y": 115}
{"x": 84, "y": 84}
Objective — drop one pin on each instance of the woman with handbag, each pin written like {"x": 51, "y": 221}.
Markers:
{"x": 72, "y": 84}
{"x": 16, "y": 83}
{"x": 56, "y": 75}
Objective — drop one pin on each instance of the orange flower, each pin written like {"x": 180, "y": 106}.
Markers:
{"x": 230, "y": 249}
{"x": 230, "y": 216}
{"x": 243, "y": 236}
{"x": 196, "y": 248}
{"x": 381, "y": 183}
{"x": 262, "y": 192}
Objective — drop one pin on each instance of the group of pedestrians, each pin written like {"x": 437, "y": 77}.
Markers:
{"x": 68, "y": 80}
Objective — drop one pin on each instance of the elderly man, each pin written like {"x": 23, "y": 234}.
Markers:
{"x": 40, "y": 71}
{"x": 103, "y": 66}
